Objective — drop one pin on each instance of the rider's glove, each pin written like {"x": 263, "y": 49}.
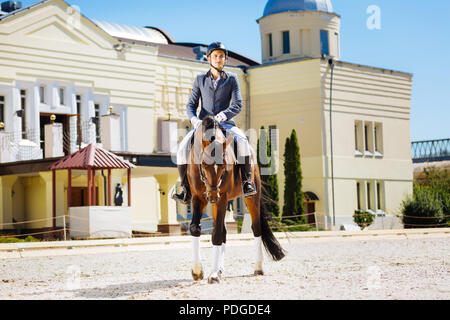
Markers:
{"x": 220, "y": 117}
{"x": 196, "y": 122}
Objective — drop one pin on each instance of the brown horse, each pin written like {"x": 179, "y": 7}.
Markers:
{"x": 214, "y": 177}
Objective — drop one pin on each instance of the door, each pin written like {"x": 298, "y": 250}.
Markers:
{"x": 79, "y": 196}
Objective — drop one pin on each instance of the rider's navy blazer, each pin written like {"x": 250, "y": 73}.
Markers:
{"x": 216, "y": 100}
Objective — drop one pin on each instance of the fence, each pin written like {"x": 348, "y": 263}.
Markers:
{"x": 65, "y": 229}
{"x": 430, "y": 150}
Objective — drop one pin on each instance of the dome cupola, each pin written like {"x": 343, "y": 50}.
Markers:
{"x": 293, "y": 29}
{"x": 277, "y": 6}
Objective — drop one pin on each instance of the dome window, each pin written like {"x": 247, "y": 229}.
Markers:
{"x": 324, "y": 43}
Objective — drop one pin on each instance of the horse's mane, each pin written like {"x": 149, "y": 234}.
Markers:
{"x": 208, "y": 124}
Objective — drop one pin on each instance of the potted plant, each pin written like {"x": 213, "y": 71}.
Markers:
{"x": 363, "y": 218}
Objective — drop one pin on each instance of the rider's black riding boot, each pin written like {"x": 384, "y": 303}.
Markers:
{"x": 185, "y": 195}
{"x": 248, "y": 186}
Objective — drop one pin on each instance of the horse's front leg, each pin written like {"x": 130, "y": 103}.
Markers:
{"x": 198, "y": 205}
{"x": 218, "y": 241}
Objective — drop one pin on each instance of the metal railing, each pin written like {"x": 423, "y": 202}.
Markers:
{"x": 430, "y": 150}
{"x": 30, "y": 145}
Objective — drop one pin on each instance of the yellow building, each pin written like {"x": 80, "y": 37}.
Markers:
{"x": 125, "y": 88}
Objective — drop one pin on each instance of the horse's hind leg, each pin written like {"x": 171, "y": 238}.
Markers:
{"x": 198, "y": 206}
{"x": 253, "y": 206}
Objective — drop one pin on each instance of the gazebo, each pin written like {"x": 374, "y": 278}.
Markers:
{"x": 92, "y": 220}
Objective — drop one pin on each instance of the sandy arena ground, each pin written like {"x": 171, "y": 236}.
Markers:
{"x": 387, "y": 267}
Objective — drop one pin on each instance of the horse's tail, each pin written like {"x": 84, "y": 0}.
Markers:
{"x": 271, "y": 243}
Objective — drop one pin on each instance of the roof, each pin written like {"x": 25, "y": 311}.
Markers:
{"x": 148, "y": 34}
{"x": 151, "y": 36}
{"x": 184, "y": 50}
{"x": 92, "y": 157}
{"x": 278, "y": 6}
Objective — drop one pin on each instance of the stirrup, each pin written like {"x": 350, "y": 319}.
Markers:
{"x": 252, "y": 193}
{"x": 178, "y": 197}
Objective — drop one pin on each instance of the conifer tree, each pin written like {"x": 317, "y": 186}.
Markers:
{"x": 293, "y": 195}
{"x": 268, "y": 176}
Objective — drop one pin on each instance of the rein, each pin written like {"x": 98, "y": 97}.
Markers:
{"x": 209, "y": 187}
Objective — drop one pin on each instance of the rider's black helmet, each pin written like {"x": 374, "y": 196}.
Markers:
{"x": 216, "y": 46}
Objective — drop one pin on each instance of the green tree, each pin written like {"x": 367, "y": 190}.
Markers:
{"x": 269, "y": 178}
{"x": 293, "y": 195}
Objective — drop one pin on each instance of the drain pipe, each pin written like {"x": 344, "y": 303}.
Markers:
{"x": 331, "y": 63}
{"x": 247, "y": 104}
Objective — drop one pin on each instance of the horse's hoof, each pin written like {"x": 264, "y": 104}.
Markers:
{"x": 212, "y": 280}
{"x": 197, "y": 276}
{"x": 221, "y": 275}
{"x": 197, "y": 272}
{"x": 214, "y": 277}
{"x": 258, "y": 273}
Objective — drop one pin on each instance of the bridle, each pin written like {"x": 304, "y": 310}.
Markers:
{"x": 209, "y": 187}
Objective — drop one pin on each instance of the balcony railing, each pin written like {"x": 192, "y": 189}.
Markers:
{"x": 431, "y": 150}
{"x": 30, "y": 145}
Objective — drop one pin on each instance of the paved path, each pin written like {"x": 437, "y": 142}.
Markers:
{"x": 389, "y": 266}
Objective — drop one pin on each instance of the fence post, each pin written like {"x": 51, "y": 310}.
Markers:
{"x": 315, "y": 220}
{"x": 64, "y": 224}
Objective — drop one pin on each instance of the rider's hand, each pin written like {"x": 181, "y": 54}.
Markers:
{"x": 220, "y": 117}
{"x": 196, "y": 122}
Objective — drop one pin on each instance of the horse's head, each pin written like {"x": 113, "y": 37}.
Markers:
{"x": 213, "y": 158}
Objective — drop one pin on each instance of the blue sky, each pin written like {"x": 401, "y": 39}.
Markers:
{"x": 414, "y": 38}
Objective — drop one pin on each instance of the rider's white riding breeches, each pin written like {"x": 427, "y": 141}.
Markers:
{"x": 243, "y": 147}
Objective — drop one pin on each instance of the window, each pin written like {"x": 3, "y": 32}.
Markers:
{"x": 378, "y": 195}
{"x": 378, "y": 136}
{"x": 78, "y": 99}
{"x": 42, "y": 94}
{"x": 358, "y": 138}
{"x": 369, "y": 198}
{"x": 79, "y": 134}
{"x": 270, "y": 43}
{"x": 61, "y": 96}
{"x": 368, "y": 138}
{"x": 273, "y": 138}
{"x": 23, "y": 103}
{"x": 2, "y": 109}
{"x": 324, "y": 43}
{"x": 97, "y": 123}
{"x": 286, "y": 43}
{"x": 336, "y": 44}
{"x": 358, "y": 195}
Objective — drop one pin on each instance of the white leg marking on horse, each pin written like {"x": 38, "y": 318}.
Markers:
{"x": 197, "y": 270}
{"x": 195, "y": 241}
{"x": 258, "y": 255}
{"x": 214, "y": 276}
{"x": 222, "y": 261}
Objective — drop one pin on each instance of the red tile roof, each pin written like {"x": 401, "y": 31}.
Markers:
{"x": 94, "y": 157}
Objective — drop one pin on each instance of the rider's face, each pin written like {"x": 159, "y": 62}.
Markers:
{"x": 217, "y": 58}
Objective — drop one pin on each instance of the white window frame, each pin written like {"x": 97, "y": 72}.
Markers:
{"x": 359, "y": 138}
{"x": 378, "y": 139}
{"x": 42, "y": 90}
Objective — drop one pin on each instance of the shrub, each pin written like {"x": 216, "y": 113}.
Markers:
{"x": 424, "y": 209}
{"x": 15, "y": 240}
{"x": 363, "y": 218}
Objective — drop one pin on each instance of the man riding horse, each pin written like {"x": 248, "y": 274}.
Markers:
{"x": 217, "y": 89}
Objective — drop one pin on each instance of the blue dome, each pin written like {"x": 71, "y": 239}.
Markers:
{"x": 277, "y": 6}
